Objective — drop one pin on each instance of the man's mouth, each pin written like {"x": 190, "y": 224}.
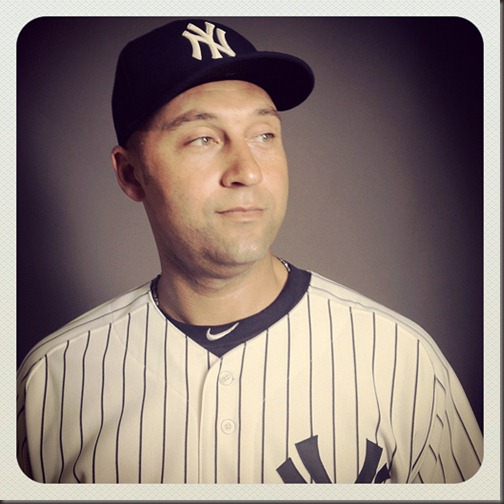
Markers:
{"x": 242, "y": 212}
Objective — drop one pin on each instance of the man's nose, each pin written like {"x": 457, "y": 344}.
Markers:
{"x": 242, "y": 168}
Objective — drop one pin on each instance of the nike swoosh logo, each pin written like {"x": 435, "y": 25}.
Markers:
{"x": 213, "y": 337}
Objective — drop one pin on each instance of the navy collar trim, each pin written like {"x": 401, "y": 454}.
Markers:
{"x": 293, "y": 291}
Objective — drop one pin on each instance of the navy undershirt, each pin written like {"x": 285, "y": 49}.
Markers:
{"x": 294, "y": 289}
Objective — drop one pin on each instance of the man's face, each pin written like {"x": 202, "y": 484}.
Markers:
{"x": 215, "y": 176}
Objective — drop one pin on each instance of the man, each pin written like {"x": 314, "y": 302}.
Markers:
{"x": 233, "y": 365}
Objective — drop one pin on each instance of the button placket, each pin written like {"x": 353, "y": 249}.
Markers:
{"x": 220, "y": 433}
{"x": 228, "y": 402}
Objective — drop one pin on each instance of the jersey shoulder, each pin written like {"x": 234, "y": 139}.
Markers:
{"x": 321, "y": 286}
{"x": 100, "y": 316}
{"x": 324, "y": 287}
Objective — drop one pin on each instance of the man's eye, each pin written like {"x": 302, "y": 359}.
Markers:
{"x": 202, "y": 141}
{"x": 266, "y": 137}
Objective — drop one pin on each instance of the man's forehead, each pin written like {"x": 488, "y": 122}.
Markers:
{"x": 225, "y": 91}
{"x": 216, "y": 100}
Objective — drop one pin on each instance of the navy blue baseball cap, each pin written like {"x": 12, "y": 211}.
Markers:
{"x": 156, "y": 67}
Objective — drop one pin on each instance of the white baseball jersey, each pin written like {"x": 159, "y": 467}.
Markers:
{"x": 324, "y": 386}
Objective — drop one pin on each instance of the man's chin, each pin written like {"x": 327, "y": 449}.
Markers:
{"x": 238, "y": 260}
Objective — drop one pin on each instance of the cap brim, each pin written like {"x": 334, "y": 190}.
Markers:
{"x": 287, "y": 79}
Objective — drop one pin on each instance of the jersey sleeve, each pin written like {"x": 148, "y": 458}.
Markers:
{"x": 454, "y": 448}
{"x": 22, "y": 451}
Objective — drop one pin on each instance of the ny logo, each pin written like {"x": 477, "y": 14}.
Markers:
{"x": 310, "y": 456}
{"x": 199, "y": 36}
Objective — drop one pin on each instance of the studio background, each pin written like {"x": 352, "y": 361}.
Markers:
{"x": 385, "y": 158}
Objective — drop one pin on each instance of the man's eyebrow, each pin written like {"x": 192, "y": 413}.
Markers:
{"x": 193, "y": 116}
{"x": 187, "y": 117}
{"x": 269, "y": 111}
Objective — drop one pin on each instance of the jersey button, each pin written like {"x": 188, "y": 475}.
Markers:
{"x": 226, "y": 378}
{"x": 228, "y": 426}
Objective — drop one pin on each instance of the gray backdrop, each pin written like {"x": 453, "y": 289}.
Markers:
{"x": 386, "y": 161}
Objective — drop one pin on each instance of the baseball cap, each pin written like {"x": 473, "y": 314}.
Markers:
{"x": 156, "y": 67}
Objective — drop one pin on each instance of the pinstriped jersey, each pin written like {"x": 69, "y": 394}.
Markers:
{"x": 334, "y": 389}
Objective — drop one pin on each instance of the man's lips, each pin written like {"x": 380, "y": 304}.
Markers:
{"x": 242, "y": 213}
{"x": 242, "y": 209}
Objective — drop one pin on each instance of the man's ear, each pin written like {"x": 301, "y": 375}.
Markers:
{"x": 126, "y": 169}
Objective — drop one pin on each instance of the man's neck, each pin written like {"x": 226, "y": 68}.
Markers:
{"x": 218, "y": 301}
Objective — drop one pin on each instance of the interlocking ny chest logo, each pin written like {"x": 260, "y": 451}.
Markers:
{"x": 197, "y": 36}
{"x": 310, "y": 456}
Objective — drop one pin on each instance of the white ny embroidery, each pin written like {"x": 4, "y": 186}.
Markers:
{"x": 199, "y": 36}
